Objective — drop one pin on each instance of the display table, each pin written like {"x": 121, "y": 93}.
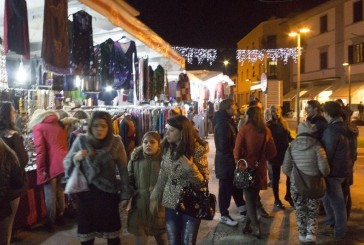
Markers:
{"x": 32, "y": 209}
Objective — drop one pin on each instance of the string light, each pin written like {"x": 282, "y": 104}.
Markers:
{"x": 253, "y": 55}
{"x": 200, "y": 54}
{"x": 3, "y": 73}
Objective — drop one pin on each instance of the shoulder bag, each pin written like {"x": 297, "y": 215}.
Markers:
{"x": 312, "y": 187}
{"x": 246, "y": 178}
{"x": 199, "y": 204}
{"x": 77, "y": 181}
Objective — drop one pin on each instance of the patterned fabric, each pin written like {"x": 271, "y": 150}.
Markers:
{"x": 306, "y": 213}
{"x": 82, "y": 48}
{"x": 102, "y": 62}
{"x": 175, "y": 175}
{"x": 158, "y": 80}
{"x": 55, "y": 45}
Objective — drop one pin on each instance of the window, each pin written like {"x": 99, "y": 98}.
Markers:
{"x": 323, "y": 60}
{"x": 272, "y": 69}
{"x": 356, "y": 53}
{"x": 358, "y": 11}
{"x": 271, "y": 41}
{"x": 323, "y": 24}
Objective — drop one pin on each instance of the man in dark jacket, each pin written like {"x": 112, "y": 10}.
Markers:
{"x": 313, "y": 110}
{"x": 337, "y": 148}
{"x": 224, "y": 134}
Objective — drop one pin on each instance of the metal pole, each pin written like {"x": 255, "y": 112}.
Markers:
{"x": 298, "y": 77}
{"x": 349, "y": 81}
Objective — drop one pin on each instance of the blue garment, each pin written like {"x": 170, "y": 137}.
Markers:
{"x": 335, "y": 206}
{"x": 181, "y": 228}
{"x": 226, "y": 191}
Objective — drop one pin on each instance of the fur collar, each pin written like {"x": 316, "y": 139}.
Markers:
{"x": 38, "y": 117}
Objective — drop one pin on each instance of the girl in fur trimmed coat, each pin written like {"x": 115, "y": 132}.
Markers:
{"x": 143, "y": 169}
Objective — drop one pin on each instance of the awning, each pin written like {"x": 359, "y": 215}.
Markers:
{"x": 314, "y": 91}
{"x": 342, "y": 92}
{"x": 290, "y": 95}
{"x": 118, "y": 15}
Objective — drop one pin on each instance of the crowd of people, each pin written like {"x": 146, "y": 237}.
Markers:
{"x": 148, "y": 184}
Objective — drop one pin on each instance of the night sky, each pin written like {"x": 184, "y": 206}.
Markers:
{"x": 218, "y": 24}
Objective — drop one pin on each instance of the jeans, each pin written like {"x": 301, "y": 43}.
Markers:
{"x": 335, "y": 206}
{"x": 6, "y": 224}
{"x": 54, "y": 198}
{"x": 226, "y": 190}
{"x": 181, "y": 228}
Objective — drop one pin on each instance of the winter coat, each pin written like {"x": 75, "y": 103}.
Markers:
{"x": 11, "y": 181}
{"x": 173, "y": 176}
{"x": 320, "y": 123}
{"x": 200, "y": 157}
{"x": 281, "y": 137}
{"x": 100, "y": 170}
{"x": 224, "y": 135}
{"x": 50, "y": 143}
{"x": 15, "y": 141}
{"x": 143, "y": 173}
{"x": 352, "y": 134}
{"x": 248, "y": 146}
{"x": 307, "y": 153}
{"x": 336, "y": 144}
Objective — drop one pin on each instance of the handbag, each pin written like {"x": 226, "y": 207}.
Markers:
{"x": 77, "y": 181}
{"x": 246, "y": 178}
{"x": 312, "y": 187}
{"x": 199, "y": 204}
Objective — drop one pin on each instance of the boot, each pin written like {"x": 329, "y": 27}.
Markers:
{"x": 247, "y": 229}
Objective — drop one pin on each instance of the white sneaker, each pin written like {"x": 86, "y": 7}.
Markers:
{"x": 310, "y": 238}
{"x": 228, "y": 221}
{"x": 241, "y": 218}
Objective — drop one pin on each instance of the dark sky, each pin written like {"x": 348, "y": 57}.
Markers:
{"x": 216, "y": 24}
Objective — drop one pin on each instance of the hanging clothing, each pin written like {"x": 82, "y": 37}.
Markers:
{"x": 121, "y": 64}
{"x": 82, "y": 62}
{"x": 102, "y": 62}
{"x": 158, "y": 81}
{"x": 150, "y": 85}
{"x": 16, "y": 33}
{"x": 55, "y": 45}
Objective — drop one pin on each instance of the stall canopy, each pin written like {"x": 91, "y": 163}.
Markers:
{"x": 314, "y": 91}
{"x": 111, "y": 19}
{"x": 342, "y": 92}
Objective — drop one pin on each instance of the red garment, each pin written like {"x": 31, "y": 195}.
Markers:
{"x": 248, "y": 144}
{"x": 50, "y": 143}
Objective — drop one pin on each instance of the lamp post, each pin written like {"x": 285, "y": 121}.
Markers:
{"x": 298, "y": 35}
{"x": 349, "y": 81}
{"x": 226, "y": 62}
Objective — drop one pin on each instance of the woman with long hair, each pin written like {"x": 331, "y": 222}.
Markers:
{"x": 178, "y": 170}
{"x": 255, "y": 144}
{"x": 12, "y": 138}
{"x": 99, "y": 153}
{"x": 282, "y": 137}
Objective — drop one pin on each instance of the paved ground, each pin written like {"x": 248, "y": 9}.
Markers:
{"x": 279, "y": 229}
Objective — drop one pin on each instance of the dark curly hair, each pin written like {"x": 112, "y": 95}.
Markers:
{"x": 5, "y": 117}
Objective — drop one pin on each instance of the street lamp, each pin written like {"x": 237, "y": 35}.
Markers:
{"x": 298, "y": 35}
{"x": 226, "y": 62}
{"x": 349, "y": 81}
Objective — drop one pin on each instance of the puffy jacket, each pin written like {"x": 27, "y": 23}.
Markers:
{"x": 309, "y": 156}
{"x": 50, "y": 143}
{"x": 224, "y": 135}
{"x": 336, "y": 144}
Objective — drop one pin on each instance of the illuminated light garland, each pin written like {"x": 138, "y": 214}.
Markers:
{"x": 201, "y": 54}
{"x": 253, "y": 55}
{"x": 3, "y": 73}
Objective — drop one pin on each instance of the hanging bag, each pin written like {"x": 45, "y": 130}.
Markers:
{"x": 312, "y": 187}
{"x": 246, "y": 178}
{"x": 77, "y": 181}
